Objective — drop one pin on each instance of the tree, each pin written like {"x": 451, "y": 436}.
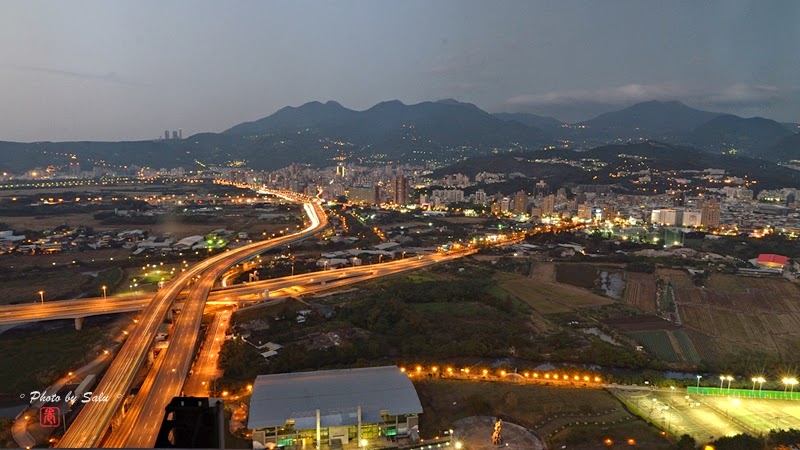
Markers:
{"x": 739, "y": 442}
{"x": 686, "y": 442}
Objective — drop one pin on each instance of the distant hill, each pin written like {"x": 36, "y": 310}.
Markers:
{"x": 787, "y": 149}
{"x": 654, "y": 119}
{"x": 396, "y": 128}
{"x": 659, "y": 156}
{"x": 752, "y": 136}
{"x": 532, "y": 120}
{"x": 314, "y": 133}
{"x": 438, "y": 132}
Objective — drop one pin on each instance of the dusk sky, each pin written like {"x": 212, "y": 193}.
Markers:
{"x": 122, "y": 70}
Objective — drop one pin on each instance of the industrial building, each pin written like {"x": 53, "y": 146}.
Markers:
{"x": 333, "y": 407}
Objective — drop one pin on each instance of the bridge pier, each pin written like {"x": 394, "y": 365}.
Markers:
{"x": 170, "y": 316}
{"x": 79, "y": 323}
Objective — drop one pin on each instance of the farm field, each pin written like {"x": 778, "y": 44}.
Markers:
{"x": 755, "y": 313}
{"x": 675, "y": 277}
{"x": 727, "y": 283}
{"x": 580, "y": 275}
{"x": 645, "y": 322}
{"x": 543, "y": 272}
{"x": 656, "y": 342}
{"x": 640, "y": 291}
{"x": 549, "y": 298}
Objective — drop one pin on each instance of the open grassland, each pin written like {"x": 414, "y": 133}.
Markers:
{"x": 578, "y": 418}
{"x": 26, "y": 260}
{"x": 24, "y": 288}
{"x": 34, "y": 356}
{"x": 640, "y": 291}
{"x": 445, "y": 401}
{"x": 548, "y": 298}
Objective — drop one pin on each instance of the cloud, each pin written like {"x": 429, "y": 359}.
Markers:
{"x": 585, "y": 102}
{"x": 741, "y": 94}
{"x": 110, "y": 77}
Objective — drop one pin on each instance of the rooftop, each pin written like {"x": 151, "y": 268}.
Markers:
{"x": 279, "y": 398}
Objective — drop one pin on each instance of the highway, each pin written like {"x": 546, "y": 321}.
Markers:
{"x": 94, "y": 419}
{"x": 180, "y": 353}
{"x": 70, "y": 309}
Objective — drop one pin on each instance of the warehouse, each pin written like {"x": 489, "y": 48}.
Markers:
{"x": 333, "y": 406}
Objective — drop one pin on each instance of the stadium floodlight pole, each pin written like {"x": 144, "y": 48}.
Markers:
{"x": 785, "y": 384}
{"x": 729, "y": 378}
{"x": 721, "y": 380}
{"x": 754, "y": 379}
{"x": 698, "y": 381}
{"x": 761, "y": 381}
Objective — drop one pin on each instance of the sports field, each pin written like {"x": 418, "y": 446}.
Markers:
{"x": 707, "y": 417}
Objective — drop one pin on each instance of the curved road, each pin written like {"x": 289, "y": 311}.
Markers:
{"x": 91, "y": 424}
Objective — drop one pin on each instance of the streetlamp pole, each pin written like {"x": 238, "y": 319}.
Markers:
{"x": 104, "y": 290}
{"x": 698, "y": 381}
{"x": 41, "y": 296}
{"x": 721, "y": 380}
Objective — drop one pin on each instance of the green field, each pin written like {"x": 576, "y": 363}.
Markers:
{"x": 657, "y": 343}
{"x": 31, "y": 360}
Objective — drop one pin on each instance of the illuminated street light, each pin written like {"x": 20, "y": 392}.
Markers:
{"x": 698, "y": 380}
{"x": 104, "y": 290}
{"x": 41, "y": 296}
{"x": 729, "y": 378}
{"x": 721, "y": 380}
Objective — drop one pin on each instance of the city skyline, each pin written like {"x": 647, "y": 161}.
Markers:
{"x": 125, "y": 72}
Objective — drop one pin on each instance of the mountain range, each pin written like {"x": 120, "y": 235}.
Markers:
{"x": 440, "y": 132}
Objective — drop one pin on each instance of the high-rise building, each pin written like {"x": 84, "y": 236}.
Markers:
{"x": 692, "y": 218}
{"x": 180, "y": 133}
{"x": 541, "y": 189}
{"x": 584, "y": 212}
{"x": 710, "y": 213}
{"x": 364, "y": 194}
{"x": 175, "y": 135}
{"x": 166, "y": 134}
{"x": 340, "y": 171}
{"x": 505, "y": 203}
{"x": 480, "y": 197}
{"x": 401, "y": 190}
{"x": 548, "y": 205}
{"x": 520, "y": 202}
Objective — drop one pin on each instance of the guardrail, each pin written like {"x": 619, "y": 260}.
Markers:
{"x": 744, "y": 393}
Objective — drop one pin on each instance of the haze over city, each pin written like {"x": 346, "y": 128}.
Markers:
{"x": 93, "y": 70}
